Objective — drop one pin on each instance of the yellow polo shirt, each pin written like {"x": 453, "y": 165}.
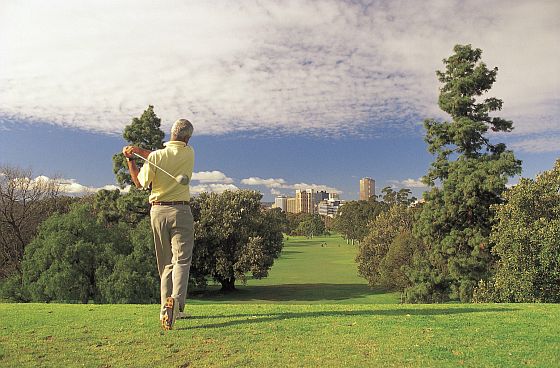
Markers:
{"x": 177, "y": 159}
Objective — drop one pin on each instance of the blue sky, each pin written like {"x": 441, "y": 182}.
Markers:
{"x": 283, "y": 95}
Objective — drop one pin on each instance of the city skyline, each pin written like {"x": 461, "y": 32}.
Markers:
{"x": 303, "y": 95}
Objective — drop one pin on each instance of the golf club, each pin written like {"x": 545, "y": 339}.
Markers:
{"x": 181, "y": 179}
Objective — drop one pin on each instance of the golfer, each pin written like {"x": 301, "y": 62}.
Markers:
{"x": 171, "y": 217}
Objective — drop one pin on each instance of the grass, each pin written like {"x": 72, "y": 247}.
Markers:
{"x": 323, "y": 318}
{"x": 309, "y": 271}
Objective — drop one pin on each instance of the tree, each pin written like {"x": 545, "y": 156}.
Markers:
{"x": 24, "y": 204}
{"x": 373, "y": 261}
{"x": 394, "y": 267}
{"x": 392, "y": 197}
{"x": 111, "y": 206}
{"x": 293, "y": 221}
{"x": 134, "y": 277}
{"x": 311, "y": 225}
{"x": 526, "y": 238}
{"x": 353, "y": 217}
{"x": 131, "y": 207}
{"x": 470, "y": 173}
{"x": 69, "y": 254}
{"x": 143, "y": 132}
{"x": 233, "y": 236}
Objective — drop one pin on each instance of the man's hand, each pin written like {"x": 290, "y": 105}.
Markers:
{"x": 128, "y": 151}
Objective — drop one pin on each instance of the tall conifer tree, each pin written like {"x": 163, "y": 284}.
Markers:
{"x": 468, "y": 175}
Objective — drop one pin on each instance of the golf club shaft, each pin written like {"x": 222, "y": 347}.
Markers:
{"x": 151, "y": 163}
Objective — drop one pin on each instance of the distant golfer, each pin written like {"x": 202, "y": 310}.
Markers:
{"x": 171, "y": 217}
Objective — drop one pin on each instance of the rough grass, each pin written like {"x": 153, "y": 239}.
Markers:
{"x": 282, "y": 335}
{"x": 313, "y": 311}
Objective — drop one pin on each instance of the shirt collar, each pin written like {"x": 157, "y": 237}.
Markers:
{"x": 175, "y": 144}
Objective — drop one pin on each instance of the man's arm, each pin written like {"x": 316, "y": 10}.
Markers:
{"x": 128, "y": 152}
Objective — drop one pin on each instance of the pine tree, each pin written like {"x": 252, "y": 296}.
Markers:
{"x": 143, "y": 132}
{"x": 467, "y": 177}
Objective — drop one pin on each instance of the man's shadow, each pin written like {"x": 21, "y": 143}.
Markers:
{"x": 252, "y": 318}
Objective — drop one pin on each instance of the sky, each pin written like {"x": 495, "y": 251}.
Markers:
{"x": 283, "y": 95}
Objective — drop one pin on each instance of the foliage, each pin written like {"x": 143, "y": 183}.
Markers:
{"x": 388, "y": 246}
{"x": 311, "y": 225}
{"x": 24, "y": 204}
{"x": 353, "y": 217}
{"x": 293, "y": 221}
{"x": 233, "y": 236}
{"x": 143, "y": 132}
{"x": 394, "y": 267}
{"x": 134, "y": 278}
{"x": 113, "y": 207}
{"x": 471, "y": 174}
{"x": 526, "y": 239}
{"x": 392, "y": 197}
{"x": 70, "y": 253}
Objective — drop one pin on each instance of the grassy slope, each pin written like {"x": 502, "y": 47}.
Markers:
{"x": 308, "y": 272}
{"x": 280, "y": 331}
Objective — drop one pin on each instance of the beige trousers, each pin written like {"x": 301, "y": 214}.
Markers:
{"x": 174, "y": 240}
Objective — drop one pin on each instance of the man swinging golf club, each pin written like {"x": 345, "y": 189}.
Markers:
{"x": 169, "y": 170}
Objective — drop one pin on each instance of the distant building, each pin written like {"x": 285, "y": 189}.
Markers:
{"x": 329, "y": 207}
{"x": 305, "y": 201}
{"x": 321, "y": 195}
{"x": 281, "y": 202}
{"x": 334, "y": 196}
{"x": 367, "y": 188}
{"x": 291, "y": 205}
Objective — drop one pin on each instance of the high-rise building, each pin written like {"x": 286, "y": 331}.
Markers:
{"x": 334, "y": 196}
{"x": 306, "y": 201}
{"x": 330, "y": 207}
{"x": 291, "y": 205}
{"x": 281, "y": 202}
{"x": 367, "y": 188}
{"x": 321, "y": 195}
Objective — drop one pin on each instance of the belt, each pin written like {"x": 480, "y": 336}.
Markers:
{"x": 156, "y": 203}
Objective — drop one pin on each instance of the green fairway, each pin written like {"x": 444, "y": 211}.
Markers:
{"x": 318, "y": 270}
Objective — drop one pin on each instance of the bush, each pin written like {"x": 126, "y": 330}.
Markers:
{"x": 392, "y": 269}
{"x": 377, "y": 244}
{"x": 526, "y": 239}
{"x": 64, "y": 260}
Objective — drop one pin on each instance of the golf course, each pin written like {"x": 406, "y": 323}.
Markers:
{"x": 311, "y": 311}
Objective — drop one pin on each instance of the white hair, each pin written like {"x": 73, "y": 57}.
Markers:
{"x": 181, "y": 130}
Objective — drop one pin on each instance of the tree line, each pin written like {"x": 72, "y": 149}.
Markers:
{"x": 100, "y": 247}
{"x": 472, "y": 238}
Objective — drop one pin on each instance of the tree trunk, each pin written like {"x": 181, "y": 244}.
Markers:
{"x": 228, "y": 284}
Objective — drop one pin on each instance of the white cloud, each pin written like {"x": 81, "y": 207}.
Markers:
{"x": 269, "y": 183}
{"x": 280, "y": 67}
{"x": 318, "y": 187}
{"x": 279, "y": 183}
{"x": 211, "y": 177}
{"x": 275, "y": 192}
{"x": 72, "y": 187}
{"x": 408, "y": 183}
{"x": 211, "y": 188}
{"x": 537, "y": 145}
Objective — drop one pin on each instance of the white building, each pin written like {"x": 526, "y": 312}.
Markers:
{"x": 330, "y": 207}
{"x": 281, "y": 202}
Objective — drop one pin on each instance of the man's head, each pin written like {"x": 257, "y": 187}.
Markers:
{"x": 181, "y": 130}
